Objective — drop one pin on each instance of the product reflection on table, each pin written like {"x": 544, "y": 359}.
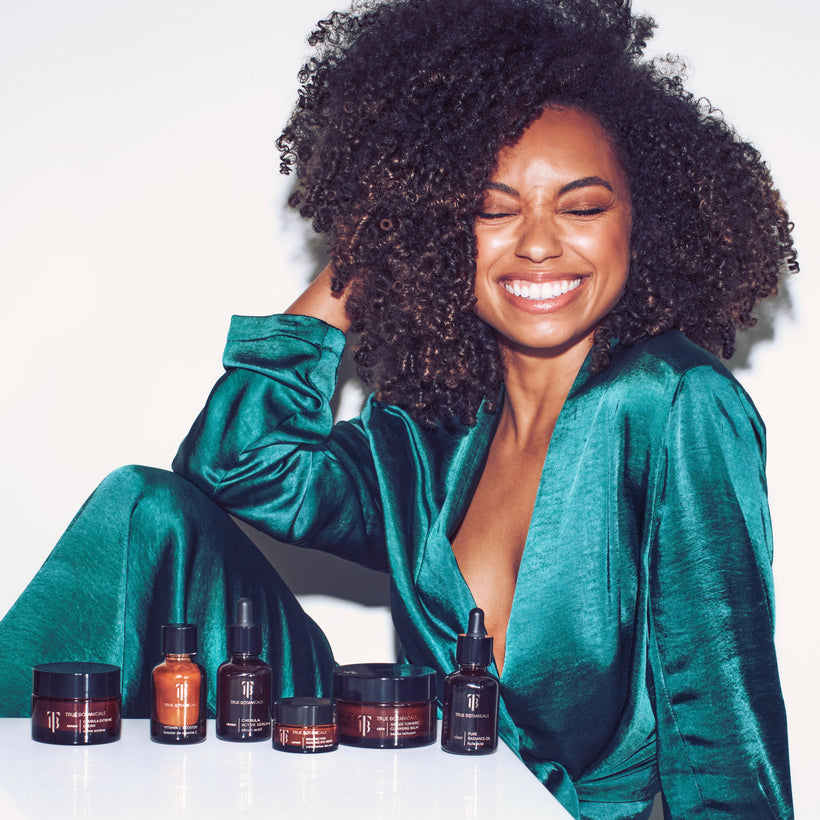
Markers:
{"x": 136, "y": 778}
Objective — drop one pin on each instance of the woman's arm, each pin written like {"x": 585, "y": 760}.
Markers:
{"x": 319, "y": 301}
{"x": 265, "y": 447}
{"x": 722, "y": 746}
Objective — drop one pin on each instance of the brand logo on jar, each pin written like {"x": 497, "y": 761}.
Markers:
{"x": 53, "y": 719}
{"x": 472, "y": 701}
{"x": 364, "y": 724}
{"x": 283, "y": 736}
{"x": 182, "y": 690}
{"x": 247, "y": 688}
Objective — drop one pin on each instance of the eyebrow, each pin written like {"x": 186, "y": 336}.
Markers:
{"x": 583, "y": 182}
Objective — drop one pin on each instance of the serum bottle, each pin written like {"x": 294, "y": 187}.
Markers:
{"x": 470, "y": 720}
{"x": 178, "y": 689}
{"x": 243, "y": 682}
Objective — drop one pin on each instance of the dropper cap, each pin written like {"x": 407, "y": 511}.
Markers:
{"x": 244, "y": 636}
{"x": 474, "y": 647}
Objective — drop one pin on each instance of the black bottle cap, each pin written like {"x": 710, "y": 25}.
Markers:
{"x": 244, "y": 636}
{"x": 178, "y": 639}
{"x": 474, "y": 647}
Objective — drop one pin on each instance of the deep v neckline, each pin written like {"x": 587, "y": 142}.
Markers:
{"x": 470, "y": 462}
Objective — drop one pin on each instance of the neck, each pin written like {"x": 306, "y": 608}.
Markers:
{"x": 537, "y": 385}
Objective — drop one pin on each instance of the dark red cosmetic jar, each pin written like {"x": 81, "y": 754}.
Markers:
{"x": 76, "y": 704}
{"x": 385, "y": 705}
{"x": 304, "y": 725}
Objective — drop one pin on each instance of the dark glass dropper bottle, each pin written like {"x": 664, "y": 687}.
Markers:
{"x": 243, "y": 682}
{"x": 470, "y": 720}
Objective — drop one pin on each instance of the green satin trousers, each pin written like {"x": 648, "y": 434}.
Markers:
{"x": 149, "y": 548}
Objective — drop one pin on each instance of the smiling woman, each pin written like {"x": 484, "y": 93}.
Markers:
{"x": 535, "y": 233}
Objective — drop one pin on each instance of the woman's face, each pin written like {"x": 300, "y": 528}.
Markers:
{"x": 553, "y": 235}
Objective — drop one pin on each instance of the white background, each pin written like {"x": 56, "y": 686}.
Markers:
{"x": 140, "y": 206}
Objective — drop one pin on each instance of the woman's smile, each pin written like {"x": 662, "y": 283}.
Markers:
{"x": 541, "y": 294}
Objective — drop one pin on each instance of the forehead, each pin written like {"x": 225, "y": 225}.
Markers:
{"x": 561, "y": 142}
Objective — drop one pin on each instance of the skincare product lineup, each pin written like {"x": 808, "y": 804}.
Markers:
{"x": 374, "y": 705}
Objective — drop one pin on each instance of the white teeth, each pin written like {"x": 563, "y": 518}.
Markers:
{"x": 546, "y": 290}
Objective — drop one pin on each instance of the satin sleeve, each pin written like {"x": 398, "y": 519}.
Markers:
{"x": 722, "y": 745}
{"x": 265, "y": 447}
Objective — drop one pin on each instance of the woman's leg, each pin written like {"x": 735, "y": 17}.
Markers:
{"x": 149, "y": 548}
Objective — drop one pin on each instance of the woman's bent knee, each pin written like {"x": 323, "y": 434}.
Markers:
{"x": 135, "y": 484}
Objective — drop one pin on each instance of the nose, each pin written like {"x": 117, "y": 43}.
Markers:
{"x": 539, "y": 239}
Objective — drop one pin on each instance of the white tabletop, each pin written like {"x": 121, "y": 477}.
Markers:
{"x": 135, "y": 777}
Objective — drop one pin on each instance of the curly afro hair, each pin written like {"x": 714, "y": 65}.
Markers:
{"x": 400, "y": 117}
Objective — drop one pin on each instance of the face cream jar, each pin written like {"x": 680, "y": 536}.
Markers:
{"x": 304, "y": 725}
{"x": 385, "y": 705}
{"x": 76, "y": 704}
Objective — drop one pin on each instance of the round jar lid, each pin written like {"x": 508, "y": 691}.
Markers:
{"x": 384, "y": 683}
{"x": 76, "y": 681}
{"x": 304, "y": 712}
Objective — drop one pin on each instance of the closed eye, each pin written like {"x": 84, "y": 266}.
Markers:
{"x": 586, "y": 211}
{"x": 494, "y": 215}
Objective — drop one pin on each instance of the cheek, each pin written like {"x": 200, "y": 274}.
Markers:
{"x": 489, "y": 244}
{"x": 607, "y": 250}
{"x": 619, "y": 256}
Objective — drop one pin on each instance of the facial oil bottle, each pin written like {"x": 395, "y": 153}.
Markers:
{"x": 178, "y": 689}
{"x": 243, "y": 682}
{"x": 470, "y": 720}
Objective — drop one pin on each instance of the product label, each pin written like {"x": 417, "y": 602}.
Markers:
{"x": 84, "y": 722}
{"x": 167, "y": 730}
{"x": 472, "y": 740}
{"x": 310, "y": 738}
{"x": 470, "y": 717}
{"x": 182, "y": 696}
{"x": 372, "y": 721}
{"x": 56, "y": 720}
{"x": 245, "y": 693}
{"x": 178, "y": 695}
{"x": 245, "y": 706}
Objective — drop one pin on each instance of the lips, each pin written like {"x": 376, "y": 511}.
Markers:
{"x": 540, "y": 291}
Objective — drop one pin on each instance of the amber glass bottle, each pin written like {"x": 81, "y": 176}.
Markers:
{"x": 243, "y": 682}
{"x": 470, "y": 711}
{"x": 178, "y": 689}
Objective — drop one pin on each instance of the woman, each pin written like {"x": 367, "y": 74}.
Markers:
{"x": 535, "y": 234}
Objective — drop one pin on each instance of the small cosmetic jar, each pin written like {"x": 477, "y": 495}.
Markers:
{"x": 304, "y": 725}
{"x": 385, "y": 705}
{"x": 76, "y": 704}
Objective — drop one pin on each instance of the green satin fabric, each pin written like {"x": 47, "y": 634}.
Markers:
{"x": 639, "y": 649}
{"x": 149, "y": 548}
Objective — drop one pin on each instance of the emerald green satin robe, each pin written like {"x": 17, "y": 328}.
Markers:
{"x": 640, "y": 649}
